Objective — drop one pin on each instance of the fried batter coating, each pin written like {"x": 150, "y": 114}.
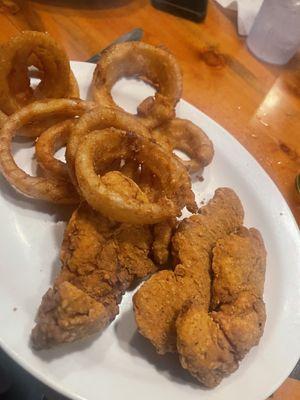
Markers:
{"x": 183, "y": 135}
{"x": 68, "y": 314}
{"x": 134, "y": 243}
{"x": 159, "y": 301}
{"x": 157, "y": 304}
{"x": 242, "y": 322}
{"x": 162, "y": 240}
{"x": 110, "y": 253}
{"x": 202, "y": 346}
{"x": 239, "y": 267}
{"x": 100, "y": 260}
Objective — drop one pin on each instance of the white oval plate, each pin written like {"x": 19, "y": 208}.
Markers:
{"x": 120, "y": 363}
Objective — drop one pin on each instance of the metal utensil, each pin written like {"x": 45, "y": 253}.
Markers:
{"x": 132, "y": 36}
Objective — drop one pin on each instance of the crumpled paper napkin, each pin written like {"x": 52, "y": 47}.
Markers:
{"x": 247, "y": 11}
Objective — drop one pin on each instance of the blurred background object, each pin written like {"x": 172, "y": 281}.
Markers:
{"x": 247, "y": 11}
{"x": 275, "y": 34}
{"x": 191, "y": 9}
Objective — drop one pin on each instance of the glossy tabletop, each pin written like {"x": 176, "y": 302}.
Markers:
{"x": 257, "y": 103}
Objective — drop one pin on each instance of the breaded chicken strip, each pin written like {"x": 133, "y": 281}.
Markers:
{"x": 239, "y": 267}
{"x": 68, "y": 314}
{"x": 100, "y": 260}
{"x": 104, "y": 256}
{"x": 203, "y": 348}
{"x": 159, "y": 301}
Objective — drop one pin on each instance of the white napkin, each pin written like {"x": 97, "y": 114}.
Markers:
{"x": 247, "y": 11}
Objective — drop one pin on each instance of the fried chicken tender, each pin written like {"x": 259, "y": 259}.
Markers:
{"x": 159, "y": 301}
{"x": 100, "y": 260}
{"x": 238, "y": 321}
{"x": 68, "y": 314}
{"x": 203, "y": 348}
{"x": 157, "y": 304}
{"x": 110, "y": 254}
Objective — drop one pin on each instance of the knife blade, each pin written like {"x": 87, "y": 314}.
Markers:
{"x": 132, "y": 36}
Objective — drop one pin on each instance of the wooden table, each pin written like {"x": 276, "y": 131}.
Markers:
{"x": 258, "y": 103}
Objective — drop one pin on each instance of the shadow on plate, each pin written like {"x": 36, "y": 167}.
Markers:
{"x": 58, "y": 233}
{"x": 65, "y": 349}
{"x": 137, "y": 346}
{"x": 59, "y": 212}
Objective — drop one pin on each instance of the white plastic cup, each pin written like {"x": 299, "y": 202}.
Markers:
{"x": 275, "y": 34}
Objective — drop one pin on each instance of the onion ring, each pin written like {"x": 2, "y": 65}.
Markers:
{"x": 73, "y": 87}
{"x": 50, "y": 189}
{"x": 48, "y": 143}
{"x": 150, "y": 64}
{"x": 56, "y": 82}
{"x": 38, "y": 73}
{"x": 181, "y": 134}
{"x": 99, "y": 118}
{"x": 120, "y": 198}
{"x": 3, "y": 118}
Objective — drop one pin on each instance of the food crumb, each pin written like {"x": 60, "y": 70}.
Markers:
{"x": 281, "y": 213}
{"x": 200, "y": 178}
{"x": 15, "y": 309}
{"x": 202, "y": 202}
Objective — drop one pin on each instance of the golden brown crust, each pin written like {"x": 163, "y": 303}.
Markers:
{"x": 163, "y": 233}
{"x": 183, "y": 135}
{"x": 100, "y": 260}
{"x": 68, "y": 314}
{"x": 239, "y": 265}
{"x": 239, "y": 270}
{"x": 159, "y": 300}
{"x": 48, "y": 143}
{"x": 157, "y": 304}
{"x": 143, "y": 61}
{"x": 242, "y": 321}
{"x": 94, "y": 246}
{"x": 119, "y": 197}
{"x": 49, "y": 189}
{"x": 203, "y": 348}
{"x": 56, "y": 80}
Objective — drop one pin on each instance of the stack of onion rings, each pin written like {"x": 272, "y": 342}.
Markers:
{"x": 122, "y": 164}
